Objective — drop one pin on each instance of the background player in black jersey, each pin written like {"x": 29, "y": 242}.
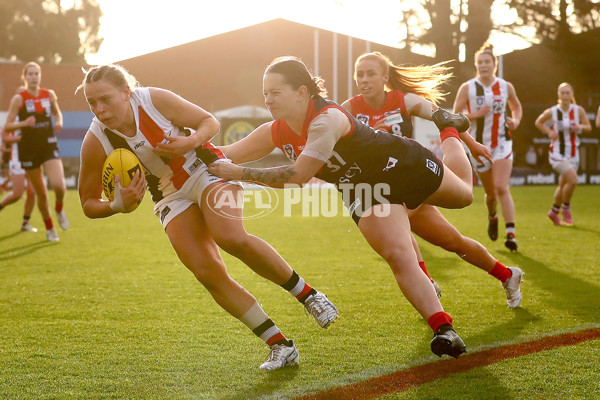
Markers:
{"x": 330, "y": 144}
{"x": 36, "y": 108}
{"x": 384, "y": 88}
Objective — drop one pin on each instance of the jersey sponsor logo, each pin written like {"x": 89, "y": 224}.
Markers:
{"x": 391, "y": 163}
{"x": 350, "y": 173}
{"x": 30, "y": 105}
{"x": 163, "y": 213}
{"x": 363, "y": 118}
{"x": 432, "y": 166}
{"x": 289, "y": 152}
{"x": 195, "y": 165}
{"x": 45, "y": 103}
{"x": 140, "y": 144}
{"x": 393, "y": 119}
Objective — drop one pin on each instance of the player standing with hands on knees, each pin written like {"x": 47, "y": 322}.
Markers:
{"x": 484, "y": 99}
{"x": 379, "y": 175}
{"x": 35, "y": 107}
{"x": 569, "y": 120}
{"x": 150, "y": 122}
{"x": 384, "y": 90}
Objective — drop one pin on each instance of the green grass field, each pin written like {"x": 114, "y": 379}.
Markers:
{"x": 110, "y": 313}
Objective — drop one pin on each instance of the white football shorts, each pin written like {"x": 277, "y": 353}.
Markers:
{"x": 501, "y": 152}
{"x": 190, "y": 193}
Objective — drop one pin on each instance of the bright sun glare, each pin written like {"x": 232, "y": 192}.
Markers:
{"x": 134, "y": 27}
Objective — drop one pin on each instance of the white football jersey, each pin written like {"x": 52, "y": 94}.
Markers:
{"x": 567, "y": 143}
{"x": 164, "y": 175}
{"x": 491, "y": 129}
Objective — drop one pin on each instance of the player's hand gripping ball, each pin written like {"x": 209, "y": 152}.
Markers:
{"x": 120, "y": 162}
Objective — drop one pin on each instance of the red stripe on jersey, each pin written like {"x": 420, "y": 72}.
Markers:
{"x": 179, "y": 175}
{"x": 495, "y": 123}
{"x": 573, "y": 134}
{"x": 149, "y": 128}
{"x": 155, "y": 135}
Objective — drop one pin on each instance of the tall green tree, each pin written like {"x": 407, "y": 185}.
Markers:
{"x": 43, "y": 31}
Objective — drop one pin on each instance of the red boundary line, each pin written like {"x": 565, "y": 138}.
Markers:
{"x": 410, "y": 378}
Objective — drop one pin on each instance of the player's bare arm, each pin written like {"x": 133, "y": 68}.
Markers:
{"x": 256, "y": 145}
{"x": 540, "y": 123}
{"x": 185, "y": 114}
{"x": 56, "y": 113}
{"x": 516, "y": 110}
{"x": 584, "y": 122}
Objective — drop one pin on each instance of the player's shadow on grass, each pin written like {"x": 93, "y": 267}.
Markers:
{"x": 9, "y": 236}
{"x": 583, "y": 229}
{"x": 576, "y": 296}
{"x": 270, "y": 384}
{"x": 16, "y": 252}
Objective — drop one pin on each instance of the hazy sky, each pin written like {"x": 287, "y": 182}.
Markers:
{"x": 134, "y": 27}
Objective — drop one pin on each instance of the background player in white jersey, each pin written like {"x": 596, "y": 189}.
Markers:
{"x": 37, "y": 110}
{"x": 18, "y": 178}
{"x": 568, "y": 120}
{"x": 485, "y": 98}
{"x": 150, "y": 122}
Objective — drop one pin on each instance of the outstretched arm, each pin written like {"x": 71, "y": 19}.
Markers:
{"x": 323, "y": 134}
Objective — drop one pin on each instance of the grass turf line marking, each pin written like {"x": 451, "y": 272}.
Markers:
{"x": 409, "y": 378}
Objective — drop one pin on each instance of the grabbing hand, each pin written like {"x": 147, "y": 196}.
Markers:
{"x": 226, "y": 170}
{"x": 127, "y": 199}
{"x": 478, "y": 150}
{"x": 174, "y": 146}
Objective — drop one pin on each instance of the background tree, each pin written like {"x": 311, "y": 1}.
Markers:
{"x": 555, "y": 21}
{"x": 448, "y": 25}
{"x": 43, "y": 31}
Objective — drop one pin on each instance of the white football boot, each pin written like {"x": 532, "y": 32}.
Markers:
{"x": 512, "y": 287}
{"x": 28, "y": 228}
{"x": 51, "y": 235}
{"x": 323, "y": 310}
{"x": 62, "y": 220}
{"x": 281, "y": 356}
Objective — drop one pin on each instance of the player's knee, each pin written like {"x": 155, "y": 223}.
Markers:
{"x": 208, "y": 272}
{"x": 232, "y": 243}
{"x": 465, "y": 198}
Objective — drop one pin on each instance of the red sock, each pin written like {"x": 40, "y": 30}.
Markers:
{"x": 449, "y": 132}
{"x": 58, "y": 207}
{"x": 500, "y": 272}
{"x": 48, "y": 223}
{"x": 424, "y": 268}
{"x": 438, "y": 319}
